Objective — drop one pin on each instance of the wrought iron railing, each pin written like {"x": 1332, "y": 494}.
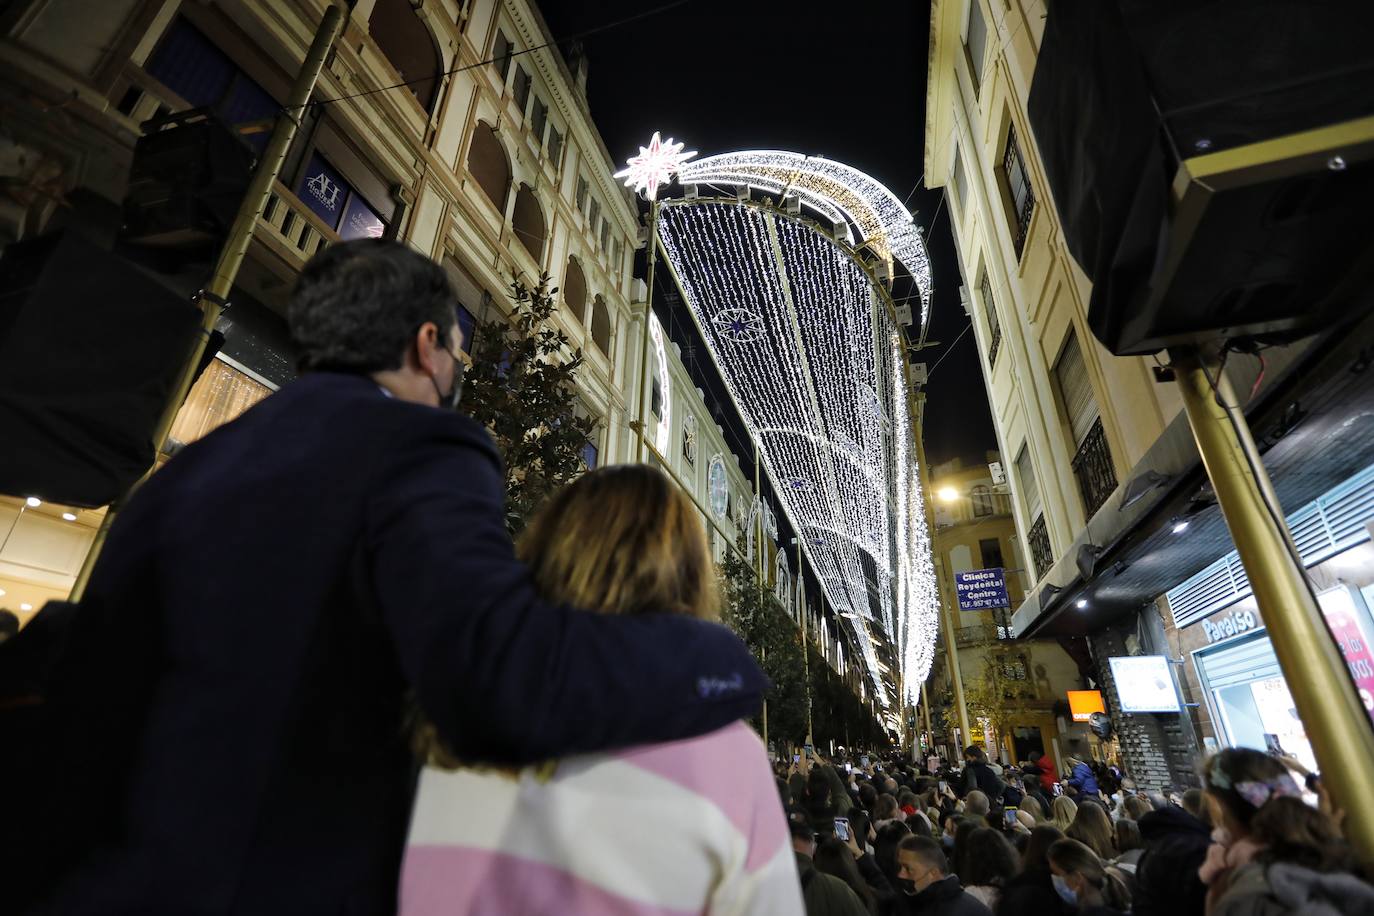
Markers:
{"x": 1092, "y": 465}
{"x": 1042, "y": 555}
{"x": 980, "y": 634}
{"x": 995, "y": 345}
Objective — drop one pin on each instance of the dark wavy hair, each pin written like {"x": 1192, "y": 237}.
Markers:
{"x": 358, "y": 304}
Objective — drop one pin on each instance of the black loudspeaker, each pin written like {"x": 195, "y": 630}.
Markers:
{"x": 90, "y": 352}
{"x": 1212, "y": 163}
{"x": 188, "y": 178}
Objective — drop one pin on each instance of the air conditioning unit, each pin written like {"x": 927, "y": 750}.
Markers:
{"x": 965, "y": 302}
{"x": 904, "y": 314}
{"x": 792, "y": 204}
{"x": 920, "y": 373}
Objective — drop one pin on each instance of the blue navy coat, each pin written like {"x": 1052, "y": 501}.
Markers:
{"x": 265, "y": 606}
{"x": 1082, "y": 779}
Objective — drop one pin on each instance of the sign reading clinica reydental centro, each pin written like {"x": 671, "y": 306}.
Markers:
{"x": 981, "y": 589}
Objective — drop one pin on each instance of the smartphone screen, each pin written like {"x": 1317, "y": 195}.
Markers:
{"x": 849, "y": 768}
{"x": 810, "y": 751}
{"x": 796, "y": 758}
{"x": 944, "y": 787}
{"x": 863, "y": 761}
{"x": 1009, "y": 817}
{"x": 842, "y": 829}
{"x": 1058, "y": 790}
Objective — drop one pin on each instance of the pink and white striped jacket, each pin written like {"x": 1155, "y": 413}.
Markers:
{"x": 692, "y": 826}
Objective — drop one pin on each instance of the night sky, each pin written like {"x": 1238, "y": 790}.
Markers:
{"x": 845, "y": 81}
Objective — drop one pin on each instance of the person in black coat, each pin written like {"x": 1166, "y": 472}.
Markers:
{"x": 928, "y": 888}
{"x": 1166, "y": 879}
{"x": 1031, "y": 892}
{"x": 978, "y": 775}
{"x": 269, "y": 602}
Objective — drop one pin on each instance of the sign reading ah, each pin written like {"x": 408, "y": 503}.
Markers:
{"x": 981, "y": 589}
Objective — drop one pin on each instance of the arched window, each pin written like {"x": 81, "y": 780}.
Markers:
{"x": 575, "y": 290}
{"x": 601, "y": 326}
{"x": 527, "y": 221}
{"x": 489, "y": 165}
{"x": 405, "y": 40}
{"x": 982, "y": 501}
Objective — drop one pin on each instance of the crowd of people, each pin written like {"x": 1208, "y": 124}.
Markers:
{"x": 889, "y": 838}
{"x": 362, "y": 696}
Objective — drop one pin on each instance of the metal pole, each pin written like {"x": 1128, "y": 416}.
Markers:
{"x": 1336, "y": 721}
{"x": 212, "y": 299}
{"x": 644, "y": 381}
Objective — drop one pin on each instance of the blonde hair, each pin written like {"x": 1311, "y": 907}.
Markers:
{"x": 1092, "y": 827}
{"x": 1062, "y": 812}
{"x": 1032, "y": 807}
{"x": 622, "y": 539}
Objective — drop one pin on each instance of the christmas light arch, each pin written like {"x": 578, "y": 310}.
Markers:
{"x": 806, "y": 339}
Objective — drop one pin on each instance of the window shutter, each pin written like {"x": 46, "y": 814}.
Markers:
{"x": 1025, "y": 475}
{"x": 1076, "y": 391}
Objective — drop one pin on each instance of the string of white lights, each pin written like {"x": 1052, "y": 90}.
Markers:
{"x": 882, "y": 220}
{"x": 794, "y": 325}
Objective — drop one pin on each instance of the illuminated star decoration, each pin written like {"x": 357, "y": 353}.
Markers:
{"x": 655, "y": 165}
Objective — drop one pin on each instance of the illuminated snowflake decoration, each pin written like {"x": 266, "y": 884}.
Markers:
{"x": 655, "y": 165}
{"x": 739, "y": 325}
{"x": 811, "y": 355}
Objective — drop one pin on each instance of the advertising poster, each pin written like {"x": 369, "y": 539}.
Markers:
{"x": 1342, "y": 618}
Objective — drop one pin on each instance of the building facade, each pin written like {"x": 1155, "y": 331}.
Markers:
{"x": 1111, "y": 505}
{"x": 494, "y": 169}
{"x": 974, "y": 530}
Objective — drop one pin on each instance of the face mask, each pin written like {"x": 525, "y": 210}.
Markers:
{"x": 1066, "y": 893}
{"x": 450, "y": 401}
{"x": 908, "y": 886}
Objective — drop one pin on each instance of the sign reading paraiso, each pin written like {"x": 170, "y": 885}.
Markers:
{"x": 981, "y": 589}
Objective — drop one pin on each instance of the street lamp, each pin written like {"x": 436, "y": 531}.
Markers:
{"x": 947, "y": 494}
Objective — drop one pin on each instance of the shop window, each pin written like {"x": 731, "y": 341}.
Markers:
{"x": 218, "y": 396}
{"x": 527, "y": 221}
{"x": 334, "y": 200}
{"x": 601, "y": 327}
{"x": 489, "y": 165}
{"x": 575, "y": 290}
{"x": 189, "y": 64}
{"x": 405, "y": 41}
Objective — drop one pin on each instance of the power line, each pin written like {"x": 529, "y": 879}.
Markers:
{"x": 481, "y": 63}
{"x": 932, "y": 369}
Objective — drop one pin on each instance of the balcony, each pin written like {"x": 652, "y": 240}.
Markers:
{"x": 1092, "y": 466}
{"x": 1042, "y": 555}
{"x": 291, "y": 228}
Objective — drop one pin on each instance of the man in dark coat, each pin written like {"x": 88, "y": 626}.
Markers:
{"x": 270, "y": 600}
{"x": 928, "y": 887}
{"x": 978, "y": 775}
{"x": 1166, "y": 879}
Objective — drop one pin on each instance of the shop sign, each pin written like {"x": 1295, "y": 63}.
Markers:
{"x": 981, "y": 589}
{"x": 1229, "y": 625}
{"x": 1340, "y": 612}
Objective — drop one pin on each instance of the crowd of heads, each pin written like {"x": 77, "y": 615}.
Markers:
{"x": 1083, "y": 849}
